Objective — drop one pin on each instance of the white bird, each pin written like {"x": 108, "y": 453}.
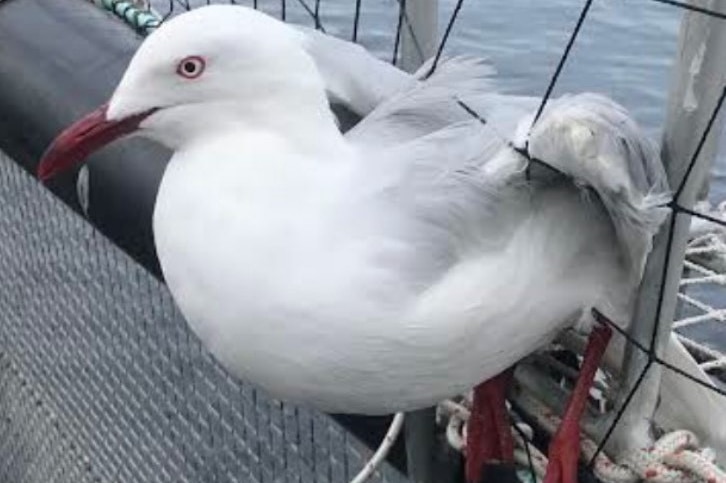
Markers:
{"x": 396, "y": 266}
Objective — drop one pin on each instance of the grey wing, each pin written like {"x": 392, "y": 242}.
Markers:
{"x": 452, "y": 182}
{"x": 593, "y": 139}
{"x": 354, "y": 78}
{"x": 427, "y": 105}
{"x": 396, "y": 106}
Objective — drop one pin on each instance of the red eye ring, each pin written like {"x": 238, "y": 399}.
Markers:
{"x": 191, "y": 67}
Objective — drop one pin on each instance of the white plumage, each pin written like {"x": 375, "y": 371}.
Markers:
{"x": 396, "y": 265}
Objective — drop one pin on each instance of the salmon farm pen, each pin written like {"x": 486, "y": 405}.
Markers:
{"x": 104, "y": 378}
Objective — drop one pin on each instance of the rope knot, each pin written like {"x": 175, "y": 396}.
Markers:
{"x": 675, "y": 458}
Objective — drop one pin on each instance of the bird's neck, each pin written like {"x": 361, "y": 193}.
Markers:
{"x": 305, "y": 122}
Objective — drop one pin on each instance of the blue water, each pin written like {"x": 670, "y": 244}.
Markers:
{"x": 625, "y": 48}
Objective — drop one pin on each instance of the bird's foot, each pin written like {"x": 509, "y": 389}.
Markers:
{"x": 564, "y": 454}
{"x": 564, "y": 451}
{"x": 489, "y": 437}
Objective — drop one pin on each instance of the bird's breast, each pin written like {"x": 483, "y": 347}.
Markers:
{"x": 284, "y": 290}
{"x": 323, "y": 302}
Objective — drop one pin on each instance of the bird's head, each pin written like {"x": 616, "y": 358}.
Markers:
{"x": 202, "y": 71}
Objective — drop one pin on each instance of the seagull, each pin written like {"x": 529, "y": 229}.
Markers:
{"x": 399, "y": 264}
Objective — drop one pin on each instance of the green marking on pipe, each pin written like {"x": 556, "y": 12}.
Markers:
{"x": 143, "y": 21}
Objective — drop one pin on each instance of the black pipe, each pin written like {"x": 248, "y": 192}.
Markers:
{"x": 58, "y": 61}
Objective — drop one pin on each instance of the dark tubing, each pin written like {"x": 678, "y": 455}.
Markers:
{"x": 59, "y": 59}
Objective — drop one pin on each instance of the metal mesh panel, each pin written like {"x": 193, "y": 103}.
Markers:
{"x": 701, "y": 321}
{"x": 100, "y": 380}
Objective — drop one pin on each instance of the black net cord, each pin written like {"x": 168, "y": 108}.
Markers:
{"x": 674, "y": 205}
{"x": 445, "y": 38}
{"x": 404, "y": 22}
{"x": 356, "y": 19}
{"x": 399, "y": 27}
{"x": 561, "y": 64}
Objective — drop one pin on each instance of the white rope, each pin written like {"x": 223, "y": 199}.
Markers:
{"x": 696, "y": 268}
{"x": 699, "y": 305}
{"x": 674, "y": 458}
{"x": 526, "y": 454}
{"x": 715, "y": 359}
{"x": 385, "y": 447}
{"x": 705, "y": 266}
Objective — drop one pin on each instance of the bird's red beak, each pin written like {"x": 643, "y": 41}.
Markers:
{"x": 85, "y": 136}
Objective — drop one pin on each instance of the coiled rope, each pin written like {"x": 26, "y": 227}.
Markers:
{"x": 674, "y": 458}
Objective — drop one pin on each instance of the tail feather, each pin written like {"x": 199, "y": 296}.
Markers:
{"x": 593, "y": 140}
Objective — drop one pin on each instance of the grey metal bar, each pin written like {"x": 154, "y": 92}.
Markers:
{"x": 418, "y": 43}
{"x": 420, "y": 434}
{"x": 698, "y": 80}
{"x": 59, "y": 60}
{"x": 419, "y": 33}
{"x": 429, "y": 458}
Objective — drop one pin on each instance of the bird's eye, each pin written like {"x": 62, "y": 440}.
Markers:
{"x": 191, "y": 67}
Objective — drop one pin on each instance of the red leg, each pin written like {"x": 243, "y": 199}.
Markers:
{"x": 489, "y": 437}
{"x": 564, "y": 450}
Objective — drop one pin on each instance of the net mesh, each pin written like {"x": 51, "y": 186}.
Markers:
{"x": 701, "y": 321}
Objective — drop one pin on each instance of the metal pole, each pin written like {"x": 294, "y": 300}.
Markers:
{"x": 418, "y": 43}
{"x": 420, "y": 433}
{"x": 418, "y": 32}
{"x": 698, "y": 80}
{"x": 428, "y": 458}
